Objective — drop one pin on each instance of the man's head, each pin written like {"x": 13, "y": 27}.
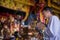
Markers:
{"x": 47, "y": 12}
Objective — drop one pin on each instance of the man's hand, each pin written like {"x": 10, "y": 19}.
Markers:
{"x": 40, "y": 26}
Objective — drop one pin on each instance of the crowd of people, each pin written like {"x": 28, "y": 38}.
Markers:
{"x": 9, "y": 26}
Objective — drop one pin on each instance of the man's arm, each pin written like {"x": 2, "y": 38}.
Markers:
{"x": 54, "y": 26}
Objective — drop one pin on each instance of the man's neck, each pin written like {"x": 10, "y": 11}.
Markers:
{"x": 50, "y": 16}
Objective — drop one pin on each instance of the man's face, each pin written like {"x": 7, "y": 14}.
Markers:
{"x": 46, "y": 14}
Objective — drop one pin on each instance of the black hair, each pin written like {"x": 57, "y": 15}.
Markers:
{"x": 47, "y": 8}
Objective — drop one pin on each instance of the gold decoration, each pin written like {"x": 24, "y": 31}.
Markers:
{"x": 54, "y": 5}
{"x": 49, "y": 3}
{"x": 23, "y": 5}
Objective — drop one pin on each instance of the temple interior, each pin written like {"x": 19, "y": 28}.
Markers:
{"x": 18, "y": 18}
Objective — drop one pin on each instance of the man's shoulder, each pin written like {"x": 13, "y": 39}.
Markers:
{"x": 55, "y": 17}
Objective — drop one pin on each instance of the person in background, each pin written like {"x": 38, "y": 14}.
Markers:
{"x": 52, "y": 31}
{"x": 5, "y": 32}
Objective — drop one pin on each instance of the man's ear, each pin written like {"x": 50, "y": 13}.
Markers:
{"x": 48, "y": 11}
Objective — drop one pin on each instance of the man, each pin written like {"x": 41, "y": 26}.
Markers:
{"x": 52, "y": 31}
